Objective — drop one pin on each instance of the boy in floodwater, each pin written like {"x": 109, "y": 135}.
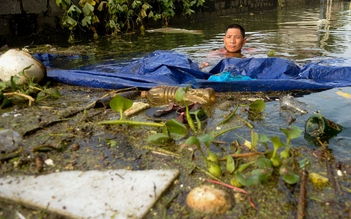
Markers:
{"x": 234, "y": 40}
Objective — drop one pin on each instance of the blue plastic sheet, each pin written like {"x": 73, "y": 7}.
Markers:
{"x": 172, "y": 68}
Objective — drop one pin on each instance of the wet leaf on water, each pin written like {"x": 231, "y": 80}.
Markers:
{"x": 276, "y": 162}
{"x": 277, "y": 143}
{"x": 288, "y": 175}
{"x": 291, "y": 133}
{"x": 264, "y": 140}
{"x": 176, "y": 129}
{"x": 285, "y": 154}
{"x": 263, "y": 163}
{"x": 230, "y": 164}
{"x": 254, "y": 177}
{"x": 206, "y": 139}
{"x": 119, "y": 103}
{"x": 244, "y": 166}
{"x": 158, "y": 138}
{"x": 212, "y": 157}
{"x": 214, "y": 169}
{"x": 254, "y": 140}
{"x": 192, "y": 140}
{"x": 235, "y": 182}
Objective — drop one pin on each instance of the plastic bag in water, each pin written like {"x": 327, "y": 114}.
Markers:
{"x": 291, "y": 104}
{"x": 227, "y": 76}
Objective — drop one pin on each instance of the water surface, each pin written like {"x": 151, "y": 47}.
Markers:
{"x": 318, "y": 30}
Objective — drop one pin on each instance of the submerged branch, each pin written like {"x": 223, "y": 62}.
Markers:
{"x": 31, "y": 99}
{"x": 301, "y": 208}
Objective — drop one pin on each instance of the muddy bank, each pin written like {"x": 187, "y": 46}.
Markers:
{"x": 65, "y": 131}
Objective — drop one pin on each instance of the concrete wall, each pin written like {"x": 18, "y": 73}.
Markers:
{"x": 25, "y": 22}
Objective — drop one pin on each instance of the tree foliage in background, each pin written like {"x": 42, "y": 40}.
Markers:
{"x": 118, "y": 15}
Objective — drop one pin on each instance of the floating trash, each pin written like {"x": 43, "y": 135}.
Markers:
{"x": 317, "y": 126}
{"x": 207, "y": 199}
{"x": 289, "y": 103}
{"x": 15, "y": 61}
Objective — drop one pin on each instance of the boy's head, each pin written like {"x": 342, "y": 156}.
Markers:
{"x": 234, "y": 38}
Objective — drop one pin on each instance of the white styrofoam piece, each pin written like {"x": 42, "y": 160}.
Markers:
{"x": 90, "y": 194}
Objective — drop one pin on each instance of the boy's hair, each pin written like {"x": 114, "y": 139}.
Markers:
{"x": 237, "y": 26}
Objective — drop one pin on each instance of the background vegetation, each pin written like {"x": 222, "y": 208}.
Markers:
{"x": 113, "y": 16}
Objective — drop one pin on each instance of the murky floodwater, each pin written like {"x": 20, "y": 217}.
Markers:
{"x": 315, "y": 31}
{"x": 318, "y": 30}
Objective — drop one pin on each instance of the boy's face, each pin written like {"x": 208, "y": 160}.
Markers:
{"x": 233, "y": 40}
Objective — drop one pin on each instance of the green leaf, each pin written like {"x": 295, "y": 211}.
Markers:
{"x": 180, "y": 94}
{"x": 158, "y": 138}
{"x": 230, "y": 164}
{"x": 244, "y": 166}
{"x": 2, "y": 85}
{"x": 304, "y": 163}
{"x": 6, "y": 102}
{"x": 13, "y": 83}
{"x": 214, "y": 169}
{"x": 235, "y": 182}
{"x": 73, "y": 9}
{"x": 254, "y": 177}
{"x": 69, "y": 22}
{"x": 276, "y": 162}
{"x": 257, "y": 106}
{"x": 86, "y": 21}
{"x": 206, "y": 139}
{"x": 291, "y": 133}
{"x": 192, "y": 140}
{"x": 277, "y": 143}
{"x": 212, "y": 157}
{"x": 63, "y": 3}
{"x": 176, "y": 129}
{"x": 285, "y": 154}
{"x": 254, "y": 140}
{"x": 264, "y": 163}
{"x": 288, "y": 175}
{"x": 264, "y": 140}
{"x": 246, "y": 180}
{"x": 88, "y": 9}
{"x": 119, "y": 103}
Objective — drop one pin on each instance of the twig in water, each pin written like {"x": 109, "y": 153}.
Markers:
{"x": 227, "y": 185}
{"x": 301, "y": 207}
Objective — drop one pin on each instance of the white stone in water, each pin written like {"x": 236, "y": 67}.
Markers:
{"x": 207, "y": 199}
{"x": 90, "y": 194}
{"x": 13, "y": 61}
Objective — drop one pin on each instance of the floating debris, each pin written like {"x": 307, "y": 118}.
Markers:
{"x": 174, "y": 30}
{"x": 208, "y": 199}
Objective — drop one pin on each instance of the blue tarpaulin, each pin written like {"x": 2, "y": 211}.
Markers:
{"x": 175, "y": 69}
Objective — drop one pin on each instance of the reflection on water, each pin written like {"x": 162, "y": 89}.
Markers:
{"x": 312, "y": 32}
{"x": 320, "y": 29}
{"x": 315, "y": 31}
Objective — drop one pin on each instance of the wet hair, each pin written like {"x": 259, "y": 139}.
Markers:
{"x": 237, "y": 26}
